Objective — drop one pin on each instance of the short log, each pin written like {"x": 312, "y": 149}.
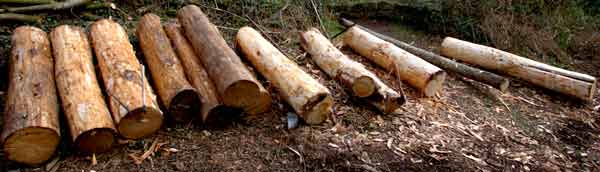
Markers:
{"x": 570, "y": 83}
{"x": 350, "y": 73}
{"x": 408, "y": 67}
{"x": 311, "y": 100}
{"x": 236, "y": 85}
{"x": 91, "y": 126}
{"x": 176, "y": 93}
{"x": 31, "y": 129}
{"x": 131, "y": 99}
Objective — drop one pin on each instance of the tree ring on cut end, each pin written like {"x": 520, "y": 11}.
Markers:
{"x": 97, "y": 140}
{"x": 31, "y": 145}
{"x": 185, "y": 105}
{"x": 140, "y": 122}
{"x": 363, "y": 86}
{"x": 247, "y": 95}
{"x": 317, "y": 109}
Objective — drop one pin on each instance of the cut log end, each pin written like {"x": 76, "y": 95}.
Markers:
{"x": 185, "y": 105}
{"x": 364, "y": 86}
{"x": 96, "y": 141}
{"x": 140, "y": 122}
{"x": 317, "y": 109}
{"x": 393, "y": 101}
{"x": 435, "y": 83}
{"x": 246, "y": 94}
{"x": 33, "y": 145}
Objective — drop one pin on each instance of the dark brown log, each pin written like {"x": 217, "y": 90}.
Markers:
{"x": 350, "y": 73}
{"x": 489, "y": 78}
{"x": 168, "y": 75}
{"x": 92, "y": 128}
{"x": 311, "y": 100}
{"x": 213, "y": 111}
{"x": 130, "y": 97}
{"x": 53, "y": 6}
{"x": 31, "y": 128}
{"x": 20, "y": 17}
{"x": 236, "y": 85}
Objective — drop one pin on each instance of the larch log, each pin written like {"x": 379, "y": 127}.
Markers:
{"x": 350, "y": 73}
{"x": 213, "y": 110}
{"x": 408, "y": 67}
{"x": 567, "y": 82}
{"x": 235, "y": 84}
{"x": 91, "y": 126}
{"x": 176, "y": 93}
{"x": 31, "y": 129}
{"x": 311, "y": 100}
{"x": 131, "y": 99}
{"x": 496, "y": 81}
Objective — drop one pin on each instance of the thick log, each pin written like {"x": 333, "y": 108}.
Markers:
{"x": 311, "y": 100}
{"x": 31, "y": 128}
{"x": 350, "y": 73}
{"x": 236, "y": 85}
{"x": 92, "y": 128}
{"x": 176, "y": 93}
{"x": 212, "y": 110}
{"x": 486, "y": 77}
{"x": 408, "y": 67}
{"x": 571, "y": 83}
{"x": 131, "y": 100}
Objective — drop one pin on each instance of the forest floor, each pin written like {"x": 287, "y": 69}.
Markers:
{"x": 466, "y": 127}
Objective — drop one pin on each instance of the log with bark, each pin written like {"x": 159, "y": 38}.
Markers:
{"x": 20, "y": 17}
{"x": 92, "y": 128}
{"x": 31, "y": 129}
{"x": 486, "y": 77}
{"x": 236, "y": 85}
{"x": 408, "y": 67}
{"x": 52, "y": 6}
{"x": 350, "y": 73}
{"x": 213, "y": 111}
{"x": 311, "y": 100}
{"x": 131, "y": 99}
{"x": 27, "y": 1}
{"x": 571, "y": 83}
{"x": 176, "y": 93}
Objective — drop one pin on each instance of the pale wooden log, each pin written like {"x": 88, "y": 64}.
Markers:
{"x": 31, "y": 129}
{"x": 349, "y": 72}
{"x": 311, "y": 100}
{"x": 489, "y": 78}
{"x": 176, "y": 93}
{"x": 408, "y": 67}
{"x": 92, "y": 128}
{"x": 571, "y": 83}
{"x": 213, "y": 111}
{"x": 131, "y": 99}
{"x": 236, "y": 85}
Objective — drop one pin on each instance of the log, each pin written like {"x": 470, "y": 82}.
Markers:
{"x": 20, "y": 17}
{"x": 571, "y": 83}
{"x": 53, "y": 6}
{"x": 236, "y": 85}
{"x": 91, "y": 126}
{"x": 176, "y": 93}
{"x": 131, "y": 101}
{"x": 351, "y": 74}
{"x": 27, "y": 1}
{"x": 31, "y": 129}
{"x": 213, "y": 111}
{"x": 486, "y": 77}
{"x": 408, "y": 67}
{"x": 311, "y": 100}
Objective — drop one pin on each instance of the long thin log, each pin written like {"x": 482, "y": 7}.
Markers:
{"x": 52, "y": 6}
{"x": 410, "y": 68}
{"x": 31, "y": 128}
{"x": 27, "y": 1}
{"x": 349, "y": 72}
{"x": 571, "y": 83}
{"x": 168, "y": 75}
{"x": 236, "y": 85}
{"x": 92, "y": 128}
{"x": 213, "y": 111}
{"x": 311, "y": 100}
{"x": 20, "y": 17}
{"x": 131, "y": 99}
{"x": 486, "y": 77}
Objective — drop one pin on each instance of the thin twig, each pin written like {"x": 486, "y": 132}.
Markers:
{"x": 312, "y": 2}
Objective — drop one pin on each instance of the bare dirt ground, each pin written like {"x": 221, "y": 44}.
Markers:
{"x": 466, "y": 127}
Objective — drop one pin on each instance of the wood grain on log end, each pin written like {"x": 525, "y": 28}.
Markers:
{"x": 140, "y": 122}
{"x": 317, "y": 109}
{"x": 32, "y": 145}
{"x": 249, "y": 95}
{"x": 185, "y": 105}
{"x": 363, "y": 86}
{"x": 97, "y": 140}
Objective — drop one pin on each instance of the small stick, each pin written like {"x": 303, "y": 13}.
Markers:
{"x": 319, "y": 18}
